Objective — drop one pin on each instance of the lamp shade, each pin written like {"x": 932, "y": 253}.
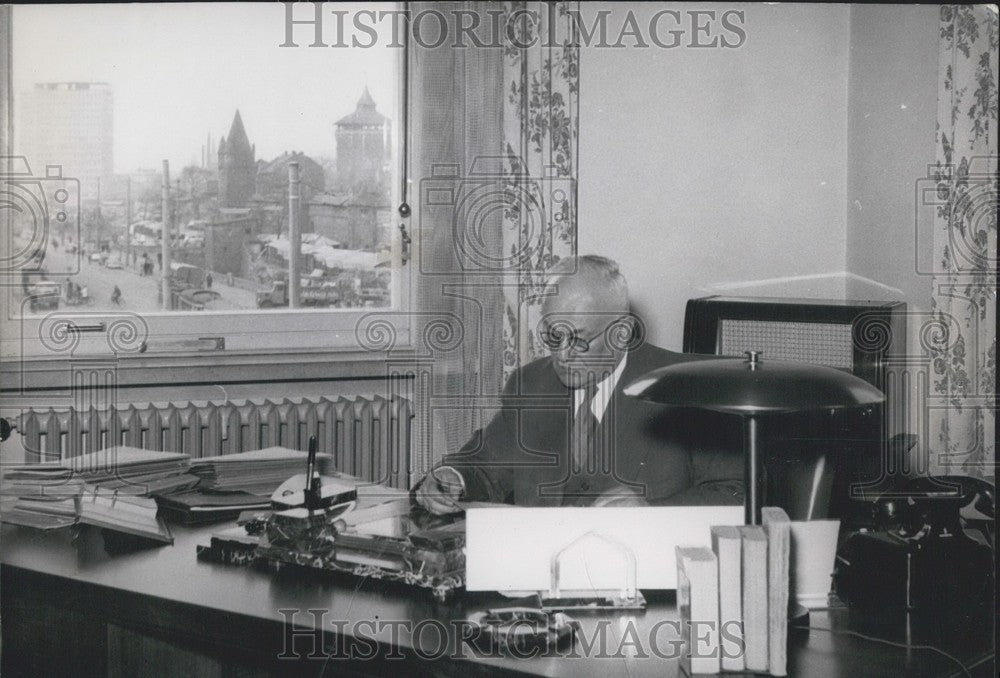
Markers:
{"x": 752, "y": 385}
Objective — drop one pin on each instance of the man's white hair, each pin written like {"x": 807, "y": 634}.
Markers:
{"x": 604, "y": 271}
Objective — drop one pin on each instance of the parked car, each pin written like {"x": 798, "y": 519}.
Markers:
{"x": 45, "y": 295}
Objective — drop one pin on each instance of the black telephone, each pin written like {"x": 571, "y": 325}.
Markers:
{"x": 937, "y": 506}
{"x": 932, "y": 546}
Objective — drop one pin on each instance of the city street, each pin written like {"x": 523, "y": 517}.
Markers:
{"x": 140, "y": 294}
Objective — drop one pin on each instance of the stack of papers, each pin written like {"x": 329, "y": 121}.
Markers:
{"x": 114, "y": 483}
{"x": 129, "y": 469}
{"x": 51, "y": 479}
{"x": 259, "y": 472}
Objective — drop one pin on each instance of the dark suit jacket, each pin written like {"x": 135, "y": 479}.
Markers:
{"x": 667, "y": 455}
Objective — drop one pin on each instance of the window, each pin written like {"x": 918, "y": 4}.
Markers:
{"x": 157, "y": 152}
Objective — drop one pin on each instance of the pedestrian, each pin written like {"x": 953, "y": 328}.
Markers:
{"x": 208, "y": 281}
{"x": 116, "y": 296}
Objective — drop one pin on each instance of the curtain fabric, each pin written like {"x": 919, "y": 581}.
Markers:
{"x": 963, "y": 299}
{"x": 494, "y": 163}
{"x": 540, "y": 137}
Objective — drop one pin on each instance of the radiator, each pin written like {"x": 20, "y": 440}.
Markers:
{"x": 369, "y": 438}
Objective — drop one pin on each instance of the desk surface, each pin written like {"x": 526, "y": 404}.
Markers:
{"x": 167, "y": 592}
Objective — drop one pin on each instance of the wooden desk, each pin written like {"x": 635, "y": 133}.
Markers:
{"x": 69, "y": 608}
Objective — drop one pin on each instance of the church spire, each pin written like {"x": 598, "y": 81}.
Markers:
{"x": 237, "y": 167}
{"x": 237, "y": 143}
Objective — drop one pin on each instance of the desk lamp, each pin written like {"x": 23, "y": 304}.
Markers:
{"x": 752, "y": 387}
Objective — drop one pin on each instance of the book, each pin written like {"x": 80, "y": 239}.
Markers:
{"x": 778, "y": 529}
{"x": 727, "y": 546}
{"x": 42, "y": 512}
{"x": 698, "y": 604}
{"x": 754, "y": 556}
{"x": 197, "y": 506}
{"x": 131, "y": 514}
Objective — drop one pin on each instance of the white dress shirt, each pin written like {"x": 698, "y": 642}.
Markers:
{"x": 604, "y": 390}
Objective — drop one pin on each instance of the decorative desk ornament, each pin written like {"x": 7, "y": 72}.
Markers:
{"x": 320, "y": 527}
{"x": 521, "y": 631}
{"x": 626, "y": 596}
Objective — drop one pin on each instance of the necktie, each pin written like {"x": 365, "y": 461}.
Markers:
{"x": 585, "y": 455}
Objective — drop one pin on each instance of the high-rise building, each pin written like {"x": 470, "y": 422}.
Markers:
{"x": 237, "y": 167}
{"x": 363, "y": 148}
{"x": 69, "y": 124}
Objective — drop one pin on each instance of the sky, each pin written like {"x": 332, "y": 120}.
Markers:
{"x": 180, "y": 71}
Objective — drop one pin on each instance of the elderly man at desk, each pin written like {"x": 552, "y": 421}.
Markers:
{"x": 567, "y": 436}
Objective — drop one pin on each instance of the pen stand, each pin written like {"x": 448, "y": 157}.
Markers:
{"x": 304, "y": 530}
{"x": 571, "y": 572}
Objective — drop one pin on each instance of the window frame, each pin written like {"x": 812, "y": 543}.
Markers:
{"x": 319, "y": 336}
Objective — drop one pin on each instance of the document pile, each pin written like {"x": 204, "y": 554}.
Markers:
{"x": 110, "y": 489}
{"x": 733, "y": 598}
{"x": 259, "y": 472}
{"x": 233, "y": 483}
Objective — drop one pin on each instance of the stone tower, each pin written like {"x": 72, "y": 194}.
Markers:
{"x": 363, "y": 148}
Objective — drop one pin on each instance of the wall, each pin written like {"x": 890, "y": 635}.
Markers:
{"x": 892, "y": 107}
{"x": 701, "y": 167}
{"x": 892, "y": 111}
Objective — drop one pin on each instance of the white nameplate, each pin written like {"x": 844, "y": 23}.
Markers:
{"x": 511, "y": 548}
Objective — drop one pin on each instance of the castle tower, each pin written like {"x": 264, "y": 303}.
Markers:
{"x": 237, "y": 167}
{"x": 363, "y": 147}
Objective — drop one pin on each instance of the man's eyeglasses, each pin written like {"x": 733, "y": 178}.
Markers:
{"x": 560, "y": 338}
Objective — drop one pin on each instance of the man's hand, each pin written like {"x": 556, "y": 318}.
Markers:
{"x": 621, "y": 496}
{"x": 441, "y": 490}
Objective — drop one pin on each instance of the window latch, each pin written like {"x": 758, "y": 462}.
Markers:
{"x": 404, "y": 237}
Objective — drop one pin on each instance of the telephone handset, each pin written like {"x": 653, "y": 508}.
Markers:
{"x": 932, "y": 547}
{"x": 938, "y": 506}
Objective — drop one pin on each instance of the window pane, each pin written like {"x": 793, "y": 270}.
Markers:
{"x": 104, "y": 94}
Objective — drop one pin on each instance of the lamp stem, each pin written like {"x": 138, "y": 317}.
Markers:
{"x": 754, "y": 470}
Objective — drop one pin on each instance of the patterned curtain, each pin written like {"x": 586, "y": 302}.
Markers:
{"x": 964, "y": 288}
{"x": 540, "y": 129}
{"x": 495, "y": 130}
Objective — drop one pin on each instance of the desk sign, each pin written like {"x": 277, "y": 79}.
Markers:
{"x": 511, "y": 548}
